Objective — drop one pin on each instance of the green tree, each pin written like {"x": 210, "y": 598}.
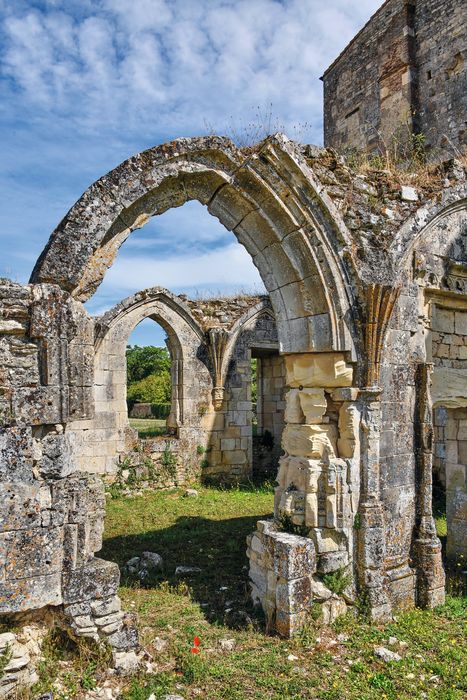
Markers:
{"x": 156, "y": 388}
{"x": 144, "y": 361}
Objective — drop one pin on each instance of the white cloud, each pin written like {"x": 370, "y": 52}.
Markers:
{"x": 230, "y": 265}
{"x": 177, "y": 62}
{"x": 87, "y": 83}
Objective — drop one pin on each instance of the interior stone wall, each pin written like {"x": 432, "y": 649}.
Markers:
{"x": 230, "y": 452}
{"x": 270, "y": 408}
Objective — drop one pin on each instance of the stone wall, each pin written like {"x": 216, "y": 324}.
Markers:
{"x": 404, "y": 72}
{"x": 206, "y": 441}
{"x": 230, "y": 452}
{"x": 318, "y": 487}
{"x": 51, "y": 515}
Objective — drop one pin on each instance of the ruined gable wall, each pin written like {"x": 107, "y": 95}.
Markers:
{"x": 353, "y": 95}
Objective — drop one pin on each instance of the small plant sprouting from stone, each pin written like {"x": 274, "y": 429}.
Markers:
{"x": 5, "y": 658}
{"x": 285, "y": 524}
{"x": 200, "y": 450}
{"x": 337, "y": 581}
{"x": 169, "y": 461}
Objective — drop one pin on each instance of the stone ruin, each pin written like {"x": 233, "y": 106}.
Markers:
{"x": 367, "y": 283}
{"x": 211, "y": 344}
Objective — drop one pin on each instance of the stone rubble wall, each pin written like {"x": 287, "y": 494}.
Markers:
{"x": 222, "y": 312}
{"x": 22, "y": 651}
{"x": 51, "y": 515}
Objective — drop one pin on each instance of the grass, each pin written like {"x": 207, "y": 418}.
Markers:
{"x": 322, "y": 664}
{"x": 149, "y": 427}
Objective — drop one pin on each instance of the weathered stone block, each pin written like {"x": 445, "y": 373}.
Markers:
{"x": 30, "y": 593}
{"x": 295, "y": 595}
{"x": 98, "y": 579}
{"x": 326, "y": 370}
{"x": 294, "y": 557}
{"x": 312, "y": 441}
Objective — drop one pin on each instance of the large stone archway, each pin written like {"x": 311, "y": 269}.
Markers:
{"x": 269, "y": 198}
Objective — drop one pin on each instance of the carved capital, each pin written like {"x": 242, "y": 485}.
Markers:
{"x": 217, "y": 343}
{"x": 380, "y": 301}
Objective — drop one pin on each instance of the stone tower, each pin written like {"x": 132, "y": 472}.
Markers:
{"x": 404, "y": 73}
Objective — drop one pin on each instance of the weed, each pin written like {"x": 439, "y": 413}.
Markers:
{"x": 200, "y": 449}
{"x": 5, "y": 658}
{"x": 169, "y": 461}
{"x": 337, "y": 581}
{"x": 380, "y": 680}
{"x": 264, "y": 123}
{"x": 285, "y": 524}
{"x": 88, "y": 678}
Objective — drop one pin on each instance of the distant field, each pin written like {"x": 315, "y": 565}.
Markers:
{"x": 149, "y": 427}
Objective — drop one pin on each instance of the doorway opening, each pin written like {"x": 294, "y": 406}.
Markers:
{"x": 268, "y": 384}
{"x": 450, "y": 491}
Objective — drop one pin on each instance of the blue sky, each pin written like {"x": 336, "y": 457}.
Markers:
{"x": 87, "y": 83}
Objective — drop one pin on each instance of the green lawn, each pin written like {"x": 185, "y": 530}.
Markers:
{"x": 210, "y": 532}
{"x": 336, "y": 663}
{"x": 149, "y": 427}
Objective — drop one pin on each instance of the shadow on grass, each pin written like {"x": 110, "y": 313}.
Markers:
{"x": 217, "y": 547}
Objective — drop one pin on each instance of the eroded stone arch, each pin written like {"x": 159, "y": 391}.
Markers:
{"x": 269, "y": 198}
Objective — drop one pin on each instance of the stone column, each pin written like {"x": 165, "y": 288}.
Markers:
{"x": 430, "y": 572}
{"x": 380, "y": 300}
{"x": 313, "y": 524}
{"x": 370, "y": 522}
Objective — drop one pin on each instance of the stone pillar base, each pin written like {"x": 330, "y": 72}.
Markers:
{"x": 430, "y": 573}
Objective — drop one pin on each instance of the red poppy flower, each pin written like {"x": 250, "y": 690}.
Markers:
{"x": 195, "y": 650}
{"x": 196, "y": 641}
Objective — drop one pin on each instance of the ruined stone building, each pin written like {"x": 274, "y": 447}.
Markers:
{"x": 364, "y": 353}
{"x": 404, "y": 73}
{"x": 210, "y": 426}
